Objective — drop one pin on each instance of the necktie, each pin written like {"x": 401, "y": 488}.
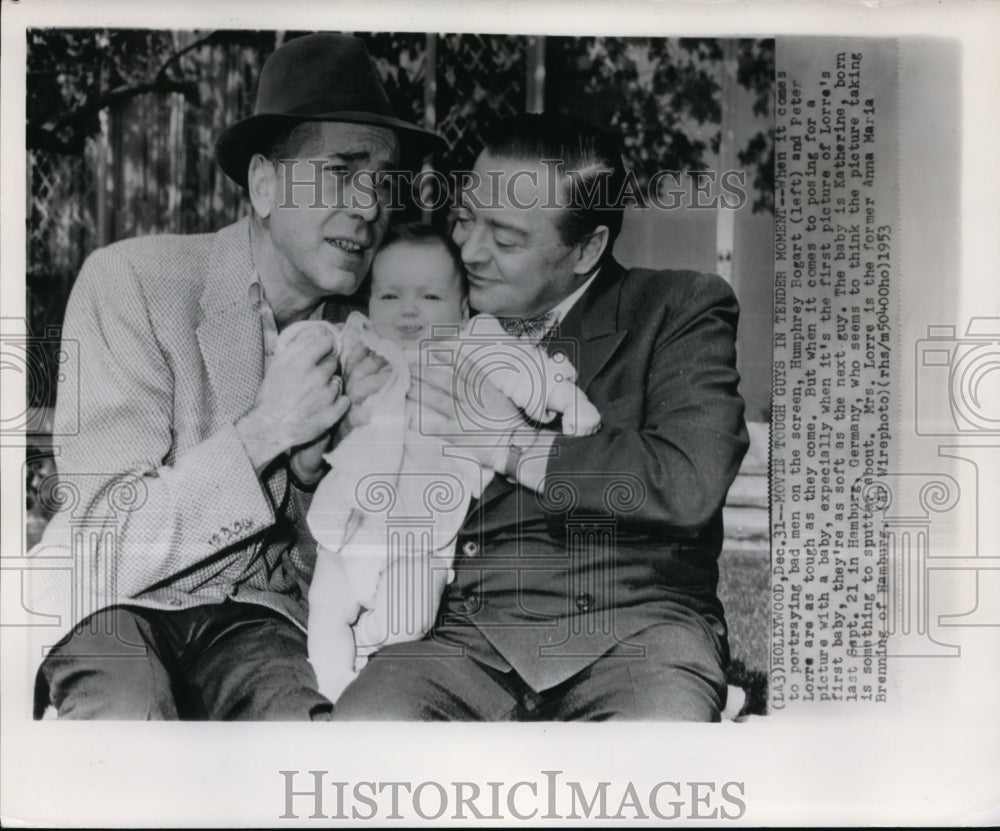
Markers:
{"x": 532, "y": 329}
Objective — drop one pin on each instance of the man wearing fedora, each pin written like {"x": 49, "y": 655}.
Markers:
{"x": 186, "y": 594}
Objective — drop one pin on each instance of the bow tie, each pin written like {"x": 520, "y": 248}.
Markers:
{"x": 533, "y": 329}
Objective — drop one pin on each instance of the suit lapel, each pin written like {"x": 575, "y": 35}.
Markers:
{"x": 229, "y": 332}
{"x": 591, "y": 333}
{"x": 230, "y": 337}
{"x": 591, "y": 327}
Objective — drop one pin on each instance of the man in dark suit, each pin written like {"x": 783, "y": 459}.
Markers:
{"x": 586, "y": 574}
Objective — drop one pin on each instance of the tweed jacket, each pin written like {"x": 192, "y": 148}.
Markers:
{"x": 159, "y": 505}
{"x": 631, "y": 517}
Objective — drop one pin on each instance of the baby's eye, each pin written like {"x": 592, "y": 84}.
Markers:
{"x": 430, "y": 296}
{"x": 389, "y": 295}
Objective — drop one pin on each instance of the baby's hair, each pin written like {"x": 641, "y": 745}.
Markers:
{"x": 422, "y": 234}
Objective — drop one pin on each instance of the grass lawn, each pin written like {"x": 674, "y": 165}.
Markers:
{"x": 744, "y": 588}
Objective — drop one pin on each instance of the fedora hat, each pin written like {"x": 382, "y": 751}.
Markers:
{"x": 320, "y": 77}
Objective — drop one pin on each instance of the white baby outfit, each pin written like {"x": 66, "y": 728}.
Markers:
{"x": 395, "y": 494}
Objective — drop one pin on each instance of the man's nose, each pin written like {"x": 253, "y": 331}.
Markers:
{"x": 472, "y": 244}
{"x": 362, "y": 197}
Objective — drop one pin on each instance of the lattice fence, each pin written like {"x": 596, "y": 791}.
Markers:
{"x": 146, "y": 165}
{"x": 481, "y": 78}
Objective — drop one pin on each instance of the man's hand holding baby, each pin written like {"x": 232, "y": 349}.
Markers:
{"x": 299, "y": 400}
{"x": 346, "y": 379}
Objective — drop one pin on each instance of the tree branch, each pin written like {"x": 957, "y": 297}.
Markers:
{"x": 38, "y": 138}
{"x": 161, "y": 73}
{"x": 41, "y": 137}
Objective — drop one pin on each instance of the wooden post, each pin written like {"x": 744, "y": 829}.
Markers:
{"x": 535, "y": 86}
{"x": 101, "y": 150}
{"x": 725, "y": 222}
{"x": 430, "y": 81}
{"x": 430, "y": 101}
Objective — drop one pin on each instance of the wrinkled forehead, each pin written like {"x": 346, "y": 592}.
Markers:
{"x": 368, "y": 144}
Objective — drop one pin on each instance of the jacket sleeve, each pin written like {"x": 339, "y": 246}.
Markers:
{"x": 665, "y": 464}
{"x": 157, "y": 513}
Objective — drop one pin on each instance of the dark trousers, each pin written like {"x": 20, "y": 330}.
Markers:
{"x": 220, "y": 661}
{"x": 679, "y": 676}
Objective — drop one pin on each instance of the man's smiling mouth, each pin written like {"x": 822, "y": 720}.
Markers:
{"x": 479, "y": 278}
{"x": 350, "y": 246}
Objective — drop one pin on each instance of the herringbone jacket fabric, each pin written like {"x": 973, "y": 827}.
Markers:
{"x": 159, "y": 503}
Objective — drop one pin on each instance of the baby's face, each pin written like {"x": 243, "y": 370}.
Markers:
{"x": 414, "y": 287}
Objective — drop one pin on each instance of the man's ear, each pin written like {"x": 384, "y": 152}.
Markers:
{"x": 591, "y": 249}
{"x": 262, "y": 185}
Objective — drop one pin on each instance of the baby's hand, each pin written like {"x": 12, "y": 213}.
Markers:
{"x": 313, "y": 330}
{"x": 366, "y": 374}
{"x": 581, "y": 418}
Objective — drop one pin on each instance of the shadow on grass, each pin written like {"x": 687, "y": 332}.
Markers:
{"x": 754, "y": 683}
{"x": 745, "y": 589}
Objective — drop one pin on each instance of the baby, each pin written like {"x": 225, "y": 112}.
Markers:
{"x": 377, "y": 581}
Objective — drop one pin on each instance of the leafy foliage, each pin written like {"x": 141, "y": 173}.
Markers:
{"x": 664, "y": 96}
{"x": 74, "y": 74}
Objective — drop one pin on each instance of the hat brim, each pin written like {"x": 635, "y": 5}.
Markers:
{"x": 241, "y": 141}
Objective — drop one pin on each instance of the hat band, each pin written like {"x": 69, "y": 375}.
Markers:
{"x": 314, "y": 107}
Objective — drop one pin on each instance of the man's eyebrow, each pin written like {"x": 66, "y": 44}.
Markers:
{"x": 350, "y": 155}
{"x": 505, "y": 226}
{"x": 492, "y": 221}
{"x": 363, "y": 157}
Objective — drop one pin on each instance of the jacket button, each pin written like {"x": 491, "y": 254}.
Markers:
{"x": 175, "y": 602}
{"x": 584, "y": 601}
{"x": 472, "y": 602}
{"x": 470, "y": 549}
